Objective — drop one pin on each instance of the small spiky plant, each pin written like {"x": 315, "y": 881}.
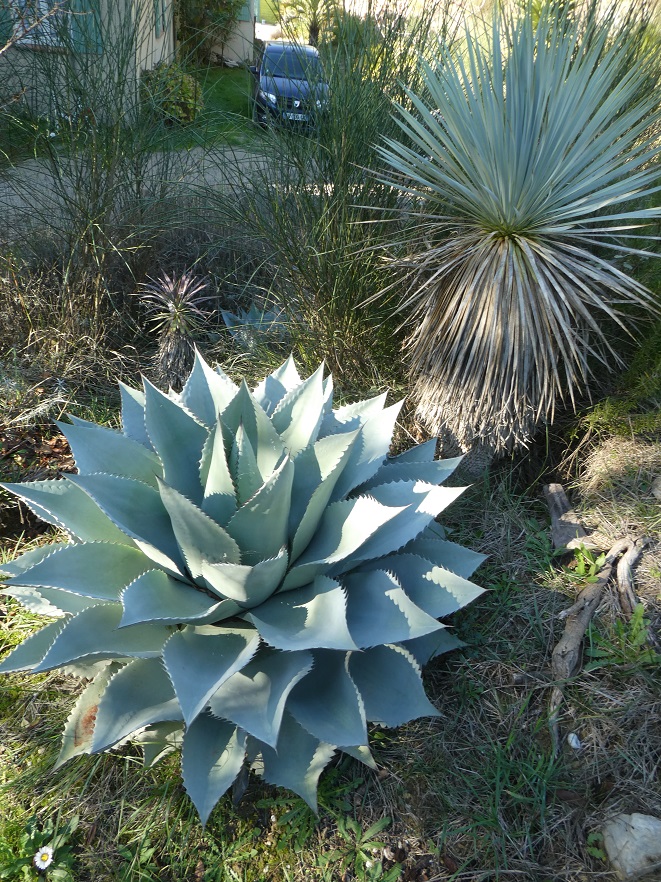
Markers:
{"x": 248, "y": 575}
{"x": 174, "y": 306}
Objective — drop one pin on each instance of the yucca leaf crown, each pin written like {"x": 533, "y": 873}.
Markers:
{"x": 248, "y": 575}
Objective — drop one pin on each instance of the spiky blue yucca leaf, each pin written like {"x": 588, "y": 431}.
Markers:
{"x": 249, "y": 575}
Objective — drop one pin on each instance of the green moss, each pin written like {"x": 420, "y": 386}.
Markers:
{"x": 635, "y": 406}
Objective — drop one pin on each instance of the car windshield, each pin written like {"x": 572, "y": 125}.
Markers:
{"x": 292, "y": 65}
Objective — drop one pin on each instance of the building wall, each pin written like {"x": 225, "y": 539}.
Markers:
{"x": 240, "y": 46}
{"x": 155, "y": 43}
{"x": 90, "y": 62}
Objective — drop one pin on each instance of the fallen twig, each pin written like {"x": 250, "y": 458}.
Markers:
{"x": 567, "y": 653}
{"x": 625, "y": 590}
{"x": 566, "y": 657}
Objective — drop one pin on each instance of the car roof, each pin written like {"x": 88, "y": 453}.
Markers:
{"x": 290, "y": 48}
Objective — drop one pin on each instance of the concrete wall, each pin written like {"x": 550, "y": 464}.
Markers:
{"x": 239, "y": 48}
{"x": 155, "y": 43}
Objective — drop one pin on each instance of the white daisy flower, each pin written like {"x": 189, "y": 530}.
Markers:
{"x": 43, "y": 858}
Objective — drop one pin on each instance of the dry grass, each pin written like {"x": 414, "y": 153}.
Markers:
{"x": 475, "y": 795}
{"x": 616, "y": 500}
{"x": 63, "y": 343}
{"x": 481, "y": 785}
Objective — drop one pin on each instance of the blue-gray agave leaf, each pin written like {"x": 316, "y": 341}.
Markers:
{"x": 212, "y": 756}
{"x": 404, "y": 699}
{"x": 270, "y": 392}
{"x": 29, "y": 559}
{"x": 138, "y": 695}
{"x": 157, "y": 597}
{"x": 98, "y": 570}
{"x": 327, "y": 703}
{"x": 249, "y": 577}
{"x": 219, "y": 500}
{"x": 264, "y": 439}
{"x": 207, "y": 392}
{"x": 133, "y": 415}
{"x": 254, "y": 698}
{"x": 298, "y": 760}
{"x": 66, "y": 505}
{"x": 93, "y": 447}
{"x": 200, "y": 660}
{"x": 178, "y": 439}
{"x": 159, "y": 740}
{"x": 79, "y": 729}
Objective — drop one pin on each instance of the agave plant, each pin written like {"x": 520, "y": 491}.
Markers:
{"x": 520, "y": 163}
{"x": 248, "y": 575}
{"x": 248, "y": 326}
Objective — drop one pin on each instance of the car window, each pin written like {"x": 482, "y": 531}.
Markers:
{"x": 292, "y": 65}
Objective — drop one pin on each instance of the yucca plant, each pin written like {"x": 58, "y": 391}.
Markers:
{"x": 521, "y": 162}
{"x": 175, "y": 308}
{"x": 248, "y": 575}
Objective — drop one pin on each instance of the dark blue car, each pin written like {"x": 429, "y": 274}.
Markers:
{"x": 289, "y": 85}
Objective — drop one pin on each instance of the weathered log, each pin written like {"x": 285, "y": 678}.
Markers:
{"x": 566, "y": 529}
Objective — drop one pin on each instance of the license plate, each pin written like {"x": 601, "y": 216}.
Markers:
{"x": 296, "y": 117}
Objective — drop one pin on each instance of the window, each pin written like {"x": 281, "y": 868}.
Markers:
{"x": 39, "y": 22}
{"x": 70, "y": 24}
{"x": 285, "y": 61}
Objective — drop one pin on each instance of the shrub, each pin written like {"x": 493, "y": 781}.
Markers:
{"x": 106, "y": 178}
{"x": 248, "y": 575}
{"x": 174, "y": 305}
{"x": 172, "y": 94}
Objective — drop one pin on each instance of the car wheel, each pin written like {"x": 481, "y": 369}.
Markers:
{"x": 257, "y": 117}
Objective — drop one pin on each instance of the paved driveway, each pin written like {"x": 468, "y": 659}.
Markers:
{"x": 40, "y": 198}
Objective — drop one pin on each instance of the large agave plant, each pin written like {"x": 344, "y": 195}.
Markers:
{"x": 526, "y": 164}
{"x": 248, "y": 575}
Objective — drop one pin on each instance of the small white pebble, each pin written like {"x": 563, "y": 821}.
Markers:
{"x": 574, "y": 741}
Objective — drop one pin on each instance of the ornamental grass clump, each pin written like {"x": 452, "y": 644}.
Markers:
{"x": 248, "y": 576}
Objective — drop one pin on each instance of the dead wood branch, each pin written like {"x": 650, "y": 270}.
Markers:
{"x": 567, "y": 653}
{"x": 566, "y": 657}
{"x": 566, "y": 529}
{"x": 627, "y": 597}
